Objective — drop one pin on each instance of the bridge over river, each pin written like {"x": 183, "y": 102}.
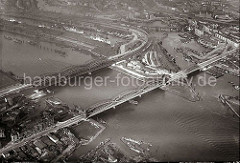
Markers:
{"x": 77, "y": 70}
{"x": 148, "y": 87}
{"x": 112, "y": 103}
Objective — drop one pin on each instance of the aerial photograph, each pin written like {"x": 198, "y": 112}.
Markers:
{"x": 119, "y": 81}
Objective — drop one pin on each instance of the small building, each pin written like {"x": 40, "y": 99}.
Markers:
{"x": 14, "y": 136}
{"x": 2, "y": 133}
{"x": 47, "y": 141}
{"x": 39, "y": 144}
{"x": 199, "y": 32}
{"x": 227, "y": 38}
{"x": 134, "y": 65}
{"x": 53, "y": 138}
{"x": 6, "y": 155}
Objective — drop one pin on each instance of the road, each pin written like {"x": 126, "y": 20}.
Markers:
{"x": 72, "y": 40}
{"x": 15, "y": 88}
{"x": 79, "y": 118}
{"x": 64, "y": 153}
{"x": 201, "y": 66}
{"x": 181, "y": 74}
{"x": 67, "y": 123}
{"x": 136, "y": 34}
{"x": 109, "y": 105}
{"x": 56, "y": 127}
{"x": 224, "y": 54}
{"x": 114, "y": 103}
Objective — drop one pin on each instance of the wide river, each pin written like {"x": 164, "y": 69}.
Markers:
{"x": 178, "y": 129}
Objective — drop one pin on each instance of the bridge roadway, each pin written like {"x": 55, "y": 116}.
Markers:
{"x": 48, "y": 80}
{"x": 101, "y": 107}
{"x": 81, "y": 69}
{"x": 75, "y": 71}
{"x": 109, "y": 104}
{"x": 77, "y": 119}
{"x": 126, "y": 96}
{"x": 93, "y": 65}
{"x": 104, "y": 106}
{"x": 67, "y": 123}
{"x": 70, "y": 122}
{"x": 204, "y": 64}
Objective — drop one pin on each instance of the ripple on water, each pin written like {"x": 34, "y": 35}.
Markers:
{"x": 219, "y": 132}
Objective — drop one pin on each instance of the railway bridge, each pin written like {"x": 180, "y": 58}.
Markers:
{"x": 148, "y": 87}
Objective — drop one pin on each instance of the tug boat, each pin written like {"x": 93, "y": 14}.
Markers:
{"x": 37, "y": 94}
{"x": 18, "y": 41}
{"x": 53, "y": 101}
{"x": 133, "y": 144}
{"x": 133, "y": 102}
{"x": 32, "y": 43}
{"x": 7, "y": 37}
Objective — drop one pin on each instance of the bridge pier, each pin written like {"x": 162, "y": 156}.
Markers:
{"x": 164, "y": 88}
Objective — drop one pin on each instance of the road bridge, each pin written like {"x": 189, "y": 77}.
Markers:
{"x": 67, "y": 123}
{"x": 123, "y": 97}
{"x": 126, "y": 96}
{"x": 200, "y": 66}
{"x": 109, "y": 104}
{"x": 79, "y": 69}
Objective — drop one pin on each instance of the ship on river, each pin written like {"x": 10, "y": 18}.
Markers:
{"x": 33, "y": 43}
{"x": 231, "y": 102}
{"x": 135, "y": 145}
{"x": 53, "y": 101}
{"x": 37, "y": 94}
{"x": 133, "y": 102}
{"x": 7, "y": 37}
{"x": 18, "y": 41}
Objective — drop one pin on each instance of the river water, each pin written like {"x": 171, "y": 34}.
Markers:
{"x": 178, "y": 129}
{"x": 36, "y": 60}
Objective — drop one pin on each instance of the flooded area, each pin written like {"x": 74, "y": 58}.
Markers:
{"x": 6, "y": 80}
{"x": 43, "y": 58}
